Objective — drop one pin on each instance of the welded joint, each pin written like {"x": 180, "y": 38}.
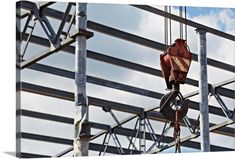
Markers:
{"x": 233, "y": 115}
{"x": 188, "y": 124}
{"x": 62, "y": 23}
{"x": 223, "y": 106}
{"x": 196, "y": 127}
{"x": 82, "y": 100}
{"x": 117, "y": 143}
{"x": 106, "y": 108}
{"x": 81, "y": 14}
{"x": 142, "y": 115}
{"x": 201, "y": 30}
{"x": 212, "y": 90}
{"x": 86, "y": 33}
{"x": 109, "y": 110}
{"x": 85, "y": 133}
{"x": 142, "y": 139}
{"x": 38, "y": 12}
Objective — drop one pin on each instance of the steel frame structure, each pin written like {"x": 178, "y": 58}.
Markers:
{"x": 143, "y": 130}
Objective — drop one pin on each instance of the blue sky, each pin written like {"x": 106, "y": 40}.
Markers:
{"x": 195, "y": 11}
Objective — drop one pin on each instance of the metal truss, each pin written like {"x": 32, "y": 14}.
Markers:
{"x": 143, "y": 130}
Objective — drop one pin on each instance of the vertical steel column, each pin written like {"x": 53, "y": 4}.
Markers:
{"x": 18, "y": 81}
{"x": 142, "y": 141}
{"x": 81, "y": 146}
{"x": 203, "y": 90}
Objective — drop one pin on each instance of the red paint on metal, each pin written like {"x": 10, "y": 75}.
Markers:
{"x": 175, "y": 63}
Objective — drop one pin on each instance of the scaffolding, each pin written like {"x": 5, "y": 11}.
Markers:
{"x": 143, "y": 130}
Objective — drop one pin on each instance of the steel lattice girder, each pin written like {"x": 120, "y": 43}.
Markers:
{"x": 118, "y": 130}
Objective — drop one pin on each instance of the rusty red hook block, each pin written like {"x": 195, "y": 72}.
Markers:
{"x": 175, "y": 63}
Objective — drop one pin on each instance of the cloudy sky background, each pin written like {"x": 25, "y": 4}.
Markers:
{"x": 138, "y": 22}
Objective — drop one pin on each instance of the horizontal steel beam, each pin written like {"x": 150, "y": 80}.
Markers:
{"x": 44, "y": 138}
{"x": 95, "y": 146}
{"x": 223, "y": 83}
{"x": 45, "y": 116}
{"x": 149, "y": 43}
{"x": 128, "y": 64}
{"x": 96, "y": 80}
{"x": 92, "y": 146}
{"x": 185, "y": 21}
{"x": 114, "y": 105}
{"x": 50, "y": 92}
{"x": 45, "y": 4}
{"x": 56, "y": 118}
{"x": 216, "y": 88}
{"x": 115, "y": 85}
{"x": 111, "y": 149}
{"x": 118, "y": 130}
{"x": 164, "y": 14}
{"x": 31, "y": 155}
{"x": 133, "y": 38}
{"x": 29, "y": 5}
